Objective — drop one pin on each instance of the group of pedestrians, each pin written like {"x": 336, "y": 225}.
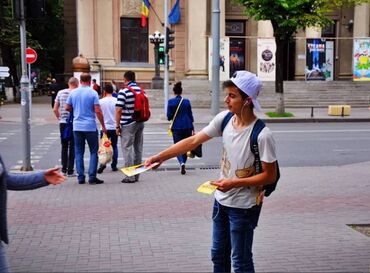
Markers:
{"x": 240, "y": 188}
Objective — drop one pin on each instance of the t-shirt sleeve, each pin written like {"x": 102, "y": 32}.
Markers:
{"x": 266, "y": 146}
{"x": 69, "y": 100}
{"x": 213, "y": 129}
{"x": 96, "y": 99}
{"x": 121, "y": 99}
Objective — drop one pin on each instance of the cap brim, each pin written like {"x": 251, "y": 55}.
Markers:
{"x": 257, "y": 105}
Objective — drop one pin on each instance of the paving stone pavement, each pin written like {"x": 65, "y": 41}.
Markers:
{"x": 161, "y": 224}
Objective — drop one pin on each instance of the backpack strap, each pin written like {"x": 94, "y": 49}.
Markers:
{"x": 257, "y": 128}
{"x": 226, "y": 120}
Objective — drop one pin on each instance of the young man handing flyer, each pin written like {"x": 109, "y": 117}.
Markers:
{"x": 239, "y": 194}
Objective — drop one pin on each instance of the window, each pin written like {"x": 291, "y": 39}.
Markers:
{"x": 134, "y": 41}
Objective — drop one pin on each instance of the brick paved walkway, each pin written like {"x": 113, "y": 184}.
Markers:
{"x": 162, "y": 225}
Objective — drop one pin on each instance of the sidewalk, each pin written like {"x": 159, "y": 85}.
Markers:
{"x": 161, "y": 224}
{"x": 42, "y": 113}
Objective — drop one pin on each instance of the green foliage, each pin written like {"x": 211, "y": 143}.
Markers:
{"x": 287, "y": 16}
{"x": 278, "y": 115}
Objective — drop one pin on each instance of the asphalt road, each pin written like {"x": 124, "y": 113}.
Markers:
{"x": 298, "y": 145}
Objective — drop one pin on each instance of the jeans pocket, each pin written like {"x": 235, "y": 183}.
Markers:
{"x": 216, "y": 210}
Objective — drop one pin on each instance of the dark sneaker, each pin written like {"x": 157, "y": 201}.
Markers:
{"x": 71, "y": 174}
{"x": 96, "y": 181}
{"x": 127, "y": 180}
{"x": 101, "y": 169}
{"x": 64, "y": 172}
{"x": 183, "y": 170}
{"x": 114, "y": 169}
{"x": 81, "y": 182}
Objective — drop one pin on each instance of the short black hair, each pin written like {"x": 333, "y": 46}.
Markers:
{"x": 230, "y": 83}
{"x": 108, "y": 88}
{"x": 129, "y": 75}
{"x": 177, "y": 88}
{"x": 94, "y": 80}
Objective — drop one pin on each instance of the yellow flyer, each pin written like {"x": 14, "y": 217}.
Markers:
{"x": 137, "y": 169}
{"x": 207, "y": 188}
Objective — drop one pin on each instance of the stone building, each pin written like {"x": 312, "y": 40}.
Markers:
{"x": 109, "y": 34}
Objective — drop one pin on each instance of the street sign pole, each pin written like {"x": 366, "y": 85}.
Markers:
{"x": 216, "y": 57}
{"x": 31, "y": 89}
{"x": 166, "y": 58}
{"x": 25, "y": 98}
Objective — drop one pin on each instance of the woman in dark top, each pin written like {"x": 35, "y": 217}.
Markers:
{"x": 182, "y": 126}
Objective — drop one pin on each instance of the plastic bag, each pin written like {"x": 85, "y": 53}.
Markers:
{"x": 105, "y": 152}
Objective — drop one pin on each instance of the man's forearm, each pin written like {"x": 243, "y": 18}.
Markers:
{"x": 100, "y": 118}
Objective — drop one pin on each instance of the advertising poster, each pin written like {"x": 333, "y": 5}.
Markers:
{"x": 315, "y": 60}
{"x": 329, "y": 64}
{"x": 224, "y": 59}
{"x": 361, "y": 59}
{"x": 266, "y": 49}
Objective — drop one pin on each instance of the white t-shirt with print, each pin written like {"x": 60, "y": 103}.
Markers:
{"x": 237, "y": 158}
{"x": 108, "y": 107}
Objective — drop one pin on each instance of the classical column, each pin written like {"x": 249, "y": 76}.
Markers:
{"x": 85, "y": 27}
{"x": 361, "y": 22}
{"x": 197, "y": 39}
{"x": 103, "y": 36}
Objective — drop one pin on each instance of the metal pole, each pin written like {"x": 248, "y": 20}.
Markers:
{"x": 216, "y": 57}
{"x": 166, "y": 59}
{"x": 25, "y": 95}
{"x": 156, "y": 57}
{"x": 31, "y": 89}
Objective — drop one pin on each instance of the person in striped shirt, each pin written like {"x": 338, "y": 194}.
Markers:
{"x": 68, "y": 147}
{"x": 130, "y": 131}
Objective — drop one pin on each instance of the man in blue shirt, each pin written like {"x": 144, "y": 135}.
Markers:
{"x": 84, "y": 103}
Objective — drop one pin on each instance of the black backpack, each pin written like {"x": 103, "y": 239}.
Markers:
{"x": 257, "y": 128}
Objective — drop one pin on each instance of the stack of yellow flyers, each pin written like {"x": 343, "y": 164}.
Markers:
{"x": 207, "y": 188}
{"x": 137, "y": 169}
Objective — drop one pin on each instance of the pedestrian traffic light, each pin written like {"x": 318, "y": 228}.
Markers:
{"x": 161, "y": 55}
{"x": 169, "y": 38}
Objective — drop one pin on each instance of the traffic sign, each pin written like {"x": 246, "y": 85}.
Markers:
{"x": 31, "y": 55}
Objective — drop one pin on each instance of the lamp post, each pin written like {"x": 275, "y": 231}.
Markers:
{"x": 157, "y": 38}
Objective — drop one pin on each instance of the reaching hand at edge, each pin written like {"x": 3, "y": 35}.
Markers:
{"x": 53, "y": 176}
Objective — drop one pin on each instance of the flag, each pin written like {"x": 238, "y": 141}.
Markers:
{"x": 175, "y": 16}
{"x": 145, "y": 6}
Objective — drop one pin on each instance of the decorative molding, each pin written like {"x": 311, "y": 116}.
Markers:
{"x": 131, "y": 8}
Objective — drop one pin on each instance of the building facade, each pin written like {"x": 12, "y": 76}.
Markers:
{"x": 108, "y": 33}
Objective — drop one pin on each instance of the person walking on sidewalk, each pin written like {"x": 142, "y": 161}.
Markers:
{"x": 179, "y": 111}
{"x": 84, "y": 102}
{"x": 20, "y": 182}
{"x": 68, "y": 147}
{"x": 238, "y": 199}
{"x": 108, "y": 106}
{"x": 131, "y": 131}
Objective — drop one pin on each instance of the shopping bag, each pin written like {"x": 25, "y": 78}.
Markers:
{"x": 105, "y": 152}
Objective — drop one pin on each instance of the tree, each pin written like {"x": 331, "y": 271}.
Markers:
{"x": 287, "y": 17}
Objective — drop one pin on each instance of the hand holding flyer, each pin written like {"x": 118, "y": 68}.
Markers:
{"x": 207, "y": 188}
{"x": 137, "y": 169}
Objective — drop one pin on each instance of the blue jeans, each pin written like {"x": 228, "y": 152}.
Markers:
{"x": 4, "y": 265}
{"x": 112, "y": 136}
{"x": 233, "y": 238}
{"x": 68, "y": 152}
{"x": 178, "y": 135}
{"x": 92, "y": 139}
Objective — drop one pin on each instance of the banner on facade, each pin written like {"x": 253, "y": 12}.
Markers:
{"x": 361, "y": 59}
{"x": 315, "y": 60}
{"x": 266, "y": 64}
{"x": 224, "y": 59}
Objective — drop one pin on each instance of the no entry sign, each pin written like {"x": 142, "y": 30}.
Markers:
{"x": 31, "y": 55}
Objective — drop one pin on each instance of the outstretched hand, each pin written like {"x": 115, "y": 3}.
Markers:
{"x": 223, "y": 185}
{"x": 153, "y": 159}
{"x": 53, "y": 176}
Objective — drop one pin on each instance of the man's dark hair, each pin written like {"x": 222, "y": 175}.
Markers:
{"x": 85, "y": 77}
{"x": 108, "y": 88}
{"x": 129, "y": 76}
{"x": 94, "y": 81}
{"x": 229, "y": 83}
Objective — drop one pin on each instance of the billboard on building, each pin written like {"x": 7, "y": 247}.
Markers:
{"x": 361, "y": 59}
{"x": 266, "y": 64}
{"x": 315, "y": 60}
{"x": 224, "y": 59}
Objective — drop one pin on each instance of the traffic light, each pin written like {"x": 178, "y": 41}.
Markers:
{"x": 169, "y": 38}
{"x": 161, "y": 55}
